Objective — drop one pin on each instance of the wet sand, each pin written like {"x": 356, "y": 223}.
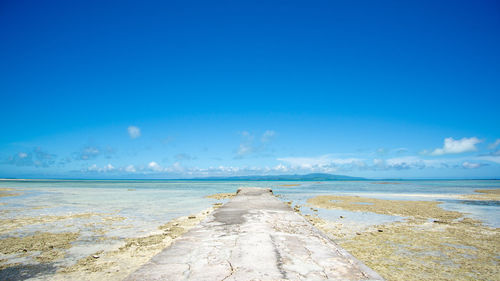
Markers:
{"x": 430, "y": 244}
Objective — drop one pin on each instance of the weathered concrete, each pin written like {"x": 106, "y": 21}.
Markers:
{"x": 254, "y": 237}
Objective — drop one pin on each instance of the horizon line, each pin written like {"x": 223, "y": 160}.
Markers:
{"x": 230, "y": 179}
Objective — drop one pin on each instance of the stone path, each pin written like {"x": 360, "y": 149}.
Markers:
{"x": 255, "y": 236}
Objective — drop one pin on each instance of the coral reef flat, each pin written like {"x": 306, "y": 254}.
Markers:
{"x": 430, "y": 244}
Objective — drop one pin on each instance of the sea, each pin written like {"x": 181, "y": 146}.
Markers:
{"x": 136, "y": 208}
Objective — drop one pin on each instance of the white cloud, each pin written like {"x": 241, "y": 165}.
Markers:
{"x": 246, "y": 145}
{"x": 329, "y": 164}
{"x": 280, "y": 168}
{"x": 471, "y": 165}
{"x": 37, "y": 158}
{"x": 268, "y": 136}
{"x": 324, "y": 163}
{"x": 95, "y": 168}
{"x": 153, "y": 166}
{"x": 452, "y": 146}
{"x": 491, "y": 158}
{"x": 405, "y": 163}
{"x": 134, "y": 132}
{"x": 307, "y": 162}
{"x": 175, "y": 168}
{"x": 402, "y": 163}
{"x": 87, "y": 153}
{"x": 250, "y": 146}
{"x": 323, "y": 160}
{"x": 130, "y": 169}
{"x": 244, "y": 149}
{"x": 495, "y": 144}
{"x": 301, "y": 165}
{"x": 91, "y": 152}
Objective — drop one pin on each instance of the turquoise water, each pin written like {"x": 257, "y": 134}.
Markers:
{"x": 443, "y": 191}
{"x": 161, "y": 200}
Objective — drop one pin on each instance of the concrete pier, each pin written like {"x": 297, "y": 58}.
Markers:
{"x": 255, "y": 236}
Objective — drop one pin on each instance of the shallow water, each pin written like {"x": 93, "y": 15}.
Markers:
{"x": 132, "y": 208}
{"x": 443, "y": 191}
{"x": 144, "y": 203}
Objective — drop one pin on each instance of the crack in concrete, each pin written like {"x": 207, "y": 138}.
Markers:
{"x": 232, "y": 270}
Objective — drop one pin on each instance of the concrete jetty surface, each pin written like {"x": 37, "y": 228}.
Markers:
{"x": 255, "y": 236}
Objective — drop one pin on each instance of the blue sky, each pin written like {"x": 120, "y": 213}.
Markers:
{"x": 176, "y": 89}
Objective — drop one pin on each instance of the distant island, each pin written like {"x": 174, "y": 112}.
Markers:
{"x": 307, "y": 177}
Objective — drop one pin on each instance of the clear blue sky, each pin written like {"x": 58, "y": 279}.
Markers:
{"x": 169, "y": 89}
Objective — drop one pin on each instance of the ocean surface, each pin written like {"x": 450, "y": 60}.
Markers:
{"x": 132, "y": 208}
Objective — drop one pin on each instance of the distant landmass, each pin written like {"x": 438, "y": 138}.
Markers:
{"x": 307, "y": 177}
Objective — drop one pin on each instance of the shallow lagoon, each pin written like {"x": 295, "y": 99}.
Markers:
{"x": 146, "y": 204}
{"x": 104, "y": 213}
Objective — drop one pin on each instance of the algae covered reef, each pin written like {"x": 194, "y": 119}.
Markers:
{"x": 221, "y": 196}
{"x": 47, "y": 246}
{"x": 52, "y": 234}
{"x": 11, "y": 224}
{"x": 418, "y": 209}
{"x": 45, "y": 253}
{"x": 6, "y": 192}
{"x": 119, "y": 263}
{"x": 430, "y": 244}
{"x": 484, "y": 195}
